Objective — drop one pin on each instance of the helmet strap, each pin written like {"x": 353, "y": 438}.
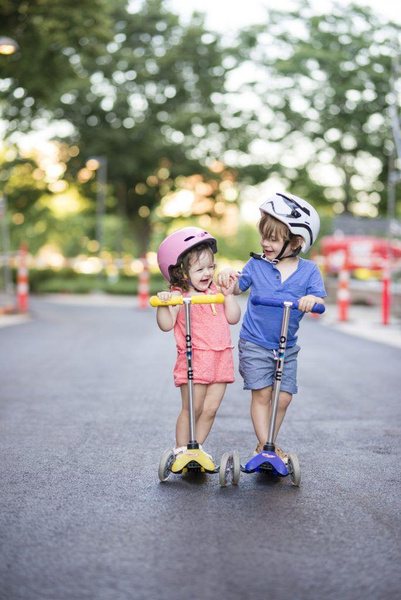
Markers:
{"x": 280, "y": 254}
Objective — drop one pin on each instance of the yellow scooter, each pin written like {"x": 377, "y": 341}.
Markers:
{"x": 194, "y": 459}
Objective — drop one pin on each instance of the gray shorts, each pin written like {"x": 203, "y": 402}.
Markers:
{"x": 257, "y": 366}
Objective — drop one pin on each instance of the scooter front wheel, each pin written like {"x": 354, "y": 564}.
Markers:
{"x": 225, "y": 469}
{"x": 294, "y": 469}
{"x": 166, "y": 462}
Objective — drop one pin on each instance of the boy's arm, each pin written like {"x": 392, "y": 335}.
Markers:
{"x": 306, "y": 303}
{"x": 316, "y": 290}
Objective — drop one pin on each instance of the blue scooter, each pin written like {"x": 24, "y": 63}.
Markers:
{"x": 268, "y": 460}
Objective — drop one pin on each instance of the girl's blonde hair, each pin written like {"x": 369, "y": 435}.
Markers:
{"x": 180, "y": 274}
{"x": 269, "y": 227}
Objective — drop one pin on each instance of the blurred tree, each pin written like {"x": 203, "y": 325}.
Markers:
{"x": 23, "y": 190}
{"x": 53, "y": 36}
{"x": 44, "y": 209}
{"x": 325, "y": 84}
{"x": 155, "y": 107}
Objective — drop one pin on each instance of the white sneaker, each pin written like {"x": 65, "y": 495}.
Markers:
{"x": 180, "y": 450}
{"x": 200, "y": 448}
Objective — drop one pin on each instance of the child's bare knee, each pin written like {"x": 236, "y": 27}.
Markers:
{"x": 210, "y": 411}
{"x": 285, "y": 400}
{"x": 197, "y": 412}
{"x": 262, "y": 397}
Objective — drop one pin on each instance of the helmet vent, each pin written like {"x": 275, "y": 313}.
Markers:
{"x": 191, "y": 237}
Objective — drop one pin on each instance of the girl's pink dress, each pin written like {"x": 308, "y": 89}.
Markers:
{"x": 212, "y": 357}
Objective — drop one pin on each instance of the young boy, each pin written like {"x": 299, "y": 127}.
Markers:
{"x": 288, "y": 225}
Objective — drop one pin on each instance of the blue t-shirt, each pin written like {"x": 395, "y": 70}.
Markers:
{"x": 262, "y": 324}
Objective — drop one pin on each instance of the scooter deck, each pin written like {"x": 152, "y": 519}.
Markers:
{"x": 266, "y": 461}
{"x": 193, "y": 460}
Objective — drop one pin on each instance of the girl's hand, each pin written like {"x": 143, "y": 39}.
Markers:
{"x": 164, "y": 296}
{"x": 306, "y": 303}
{"x": 227, "y": 290}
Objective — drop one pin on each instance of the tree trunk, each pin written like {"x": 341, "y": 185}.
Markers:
{"x": 121, "y": 193}
{"x": 141, "y": 228}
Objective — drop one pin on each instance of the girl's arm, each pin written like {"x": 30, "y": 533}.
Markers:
{"x": 232, "y": 309}
{"x": 166, "y": 316}
{"x": 231, "y": 306}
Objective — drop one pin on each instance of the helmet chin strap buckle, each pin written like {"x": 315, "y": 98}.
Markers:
{"x": 279, "y": 257}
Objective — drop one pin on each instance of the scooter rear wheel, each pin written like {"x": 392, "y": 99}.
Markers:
{"x": 166, "y": 462}
{"x": 294, "y": 469}
{"x": 236, "y": 466}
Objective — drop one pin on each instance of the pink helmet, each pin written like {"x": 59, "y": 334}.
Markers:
{"x": 178, "y": 243}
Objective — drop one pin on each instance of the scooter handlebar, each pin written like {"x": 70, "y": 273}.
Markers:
{"x": 258, "y": 300}
{"x": 176, "y": 300}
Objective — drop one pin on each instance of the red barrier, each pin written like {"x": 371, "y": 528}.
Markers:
{"x": 386, "y": 293}
{"x": 23, "y": 280}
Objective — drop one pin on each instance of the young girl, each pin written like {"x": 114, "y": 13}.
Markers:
{"x": 186, "y": 259}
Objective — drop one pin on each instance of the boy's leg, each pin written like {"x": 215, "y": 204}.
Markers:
{"x": 182, "y": 427}
{"x": 261, "y": 407}
{"x": 211, "y": 404}
{"x": 260, "y": 412}
{"x": 283, "y": 403}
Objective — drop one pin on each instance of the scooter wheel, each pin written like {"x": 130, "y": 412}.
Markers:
{"x": 225, "y": 469}
{"x": 294, "y": 469}
{"x": 236, "y": 466}
{"x": 165, "y": 465}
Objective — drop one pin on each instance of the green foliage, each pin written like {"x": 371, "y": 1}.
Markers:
{"x": 239, "y": 246}
{"x": 53, "y": 37}
{"x": 151, "y": 94}
{"x": 154, "y": 108}
{"x": 327, "y": 90}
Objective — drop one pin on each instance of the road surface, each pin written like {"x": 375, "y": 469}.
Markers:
{"x": 87, "y": 408}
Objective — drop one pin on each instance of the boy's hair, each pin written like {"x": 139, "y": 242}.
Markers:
{"x": 270, "y": 227}
{"x": 179, "y": 274}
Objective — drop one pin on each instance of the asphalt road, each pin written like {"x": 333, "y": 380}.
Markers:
{"x": 87, "y": 408}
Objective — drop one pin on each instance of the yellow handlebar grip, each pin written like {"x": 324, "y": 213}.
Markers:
{"x": 210, "y": 299}
{"x": 176, "y": 300}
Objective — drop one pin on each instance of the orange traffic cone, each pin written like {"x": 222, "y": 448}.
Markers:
{"x": 23, "y": 280}
{"x": 343, "y": 293}
{"x": 143, "y": 288}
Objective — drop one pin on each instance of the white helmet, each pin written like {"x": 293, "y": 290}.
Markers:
{"x": 299, "y": 216}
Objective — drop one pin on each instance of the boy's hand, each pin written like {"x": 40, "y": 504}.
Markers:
{"x": 164, "y": 296}
{"x": 227, "y": 278}
{"x": 306, "y": 303}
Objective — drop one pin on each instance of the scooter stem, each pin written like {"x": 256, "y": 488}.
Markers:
{"x": 279, "y": 373}
{"x": 188, "y": 344}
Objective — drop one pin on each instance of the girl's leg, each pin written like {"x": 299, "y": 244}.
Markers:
{"x": 182, "y": 427}
{"x": 261, "y": 407}
{"x": 213, "y": 398}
